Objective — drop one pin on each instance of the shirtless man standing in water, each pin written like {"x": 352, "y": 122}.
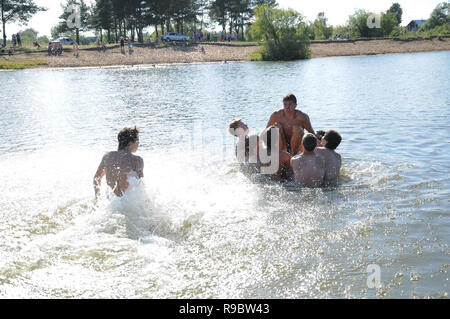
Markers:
{"x": 119, "y": 164}
{"x": 293, "y": 122}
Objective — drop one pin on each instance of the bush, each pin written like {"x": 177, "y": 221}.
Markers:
{"x": 286, "y": 50}
{"x": 283, "y": 32}
{"x": 443, "y": 30}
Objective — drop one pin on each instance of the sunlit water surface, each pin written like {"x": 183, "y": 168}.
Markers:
{"x": 196, "y": 227}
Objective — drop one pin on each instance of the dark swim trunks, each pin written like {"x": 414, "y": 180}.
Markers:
{"x": 288, "y": 147}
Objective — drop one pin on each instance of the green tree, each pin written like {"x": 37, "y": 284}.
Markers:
{"x": 17, "y": 11}
{"x": 219, "y": 12}
{"x": 364, "y": 24}
{"x": 102, "y": 17}
{"x": 75, "y": 19}
{"x": 439, "y": 16}
{"x": 29, "y": 34}
{"x": 282, "y": 33}
{"x": 388, "y": 23}
{"x": 398, "y": 11}
{"x": 43, "y": 39}
{"x": 321, "y": 30}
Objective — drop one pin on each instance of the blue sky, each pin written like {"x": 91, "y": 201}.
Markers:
{"x": 337, "y": 12}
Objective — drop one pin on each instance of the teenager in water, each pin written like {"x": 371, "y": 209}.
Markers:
{"x": 117, "y": 165}
{"x": 333, "y": 160}
{"x": 292, "y": 123}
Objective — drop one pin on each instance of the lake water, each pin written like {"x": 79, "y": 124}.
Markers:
{"x": 196, "y": 227}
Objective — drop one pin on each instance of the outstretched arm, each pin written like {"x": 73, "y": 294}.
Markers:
{"x": 273, "y": 119}
{"x": 307, "y": 125}
{"x": 98, "y": 176}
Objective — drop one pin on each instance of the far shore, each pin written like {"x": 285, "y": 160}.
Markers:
{"x": 217, "y": 52}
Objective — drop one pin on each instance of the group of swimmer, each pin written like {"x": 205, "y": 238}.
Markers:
{"x": 310, "y": 159}
{"x": 282, "y": 150}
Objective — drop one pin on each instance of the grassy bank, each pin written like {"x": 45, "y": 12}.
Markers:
{"x": 19, "y": 65}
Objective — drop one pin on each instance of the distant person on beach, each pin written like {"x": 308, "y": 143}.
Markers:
{"x": 75, "y": 49}
{"x": 333, "y": 161}
{"x": 293, "y": 123}
{"x": 122, "y": 45}
{"x": 308, "y": 167}
{"x": 130, "y": 47}
{"x": 13, "y": 40}
{"x": 119, "y": 165}
{"x": 19, "y": 40}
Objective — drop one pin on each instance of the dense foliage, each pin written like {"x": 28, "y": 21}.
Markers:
{"x": 282, "y": 33}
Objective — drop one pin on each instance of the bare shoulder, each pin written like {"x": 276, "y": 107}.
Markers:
{"x": 108, "y": 155}
{"x": 297, "y": 158}
{"x": 301, "y": 114}
{"x": 139, "y": 160}
{"x": 277, "y": 114}
{"x": 319, "y": 150}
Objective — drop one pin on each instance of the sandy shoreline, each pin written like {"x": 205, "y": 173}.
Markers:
{"x": 180, "y": 54}
{"x": 375, "y": 47}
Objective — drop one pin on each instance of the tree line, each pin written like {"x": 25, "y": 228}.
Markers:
{"x": 112, "y": 19}
{"x": 117, "y": 18}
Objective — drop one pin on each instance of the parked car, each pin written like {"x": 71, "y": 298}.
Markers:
{"x": 173, "y": 36}
{"x": 65, "y": 41}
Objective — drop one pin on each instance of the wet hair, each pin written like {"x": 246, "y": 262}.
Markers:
{"x": 126, "y": 136}
{"x": 320, "y": 134}
{"x": 333, "y": 139}
{"x": 309, "y": 142}
{"x": 233, "y": 126}
{"x": 290, "y": 98}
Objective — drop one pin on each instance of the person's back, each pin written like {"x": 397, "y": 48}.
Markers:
{"x": 333, "y": 161}
{"x": 332, "y": 164}
{"x": 118, "y": 165}
{"x": 308, "y": 167}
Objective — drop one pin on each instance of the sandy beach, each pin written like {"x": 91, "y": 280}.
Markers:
{"x": 374, "y": 47}
{"x": 193, "y": 53}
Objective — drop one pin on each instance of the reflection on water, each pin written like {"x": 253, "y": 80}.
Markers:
{"x": 197, "y": 227}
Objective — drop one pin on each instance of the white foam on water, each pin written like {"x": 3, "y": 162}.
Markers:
{"x": 192, "y": 227}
